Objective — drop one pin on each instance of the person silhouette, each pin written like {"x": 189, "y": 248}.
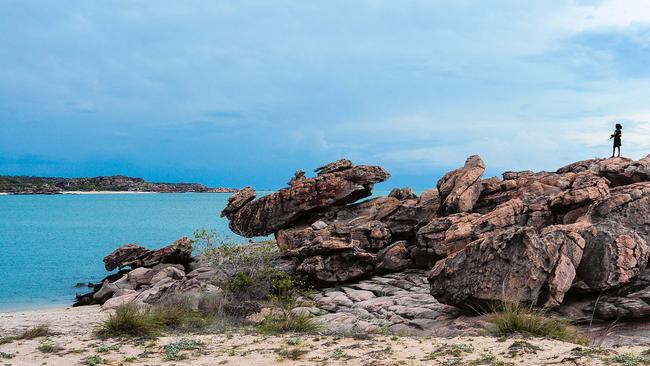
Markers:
{"x": 617, "y": 139}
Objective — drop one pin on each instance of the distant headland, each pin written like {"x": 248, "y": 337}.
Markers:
{"x": 102, "y": 184}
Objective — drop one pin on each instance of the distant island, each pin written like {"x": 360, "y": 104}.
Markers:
{"x": 115, "y": 183}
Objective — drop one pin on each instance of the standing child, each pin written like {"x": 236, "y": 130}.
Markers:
{"x": 617, "y": 139}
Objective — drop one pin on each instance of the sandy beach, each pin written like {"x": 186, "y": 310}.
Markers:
{"x": 73, "y": 341}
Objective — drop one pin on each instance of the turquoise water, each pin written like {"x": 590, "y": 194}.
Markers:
{"x": 50, "y": 243}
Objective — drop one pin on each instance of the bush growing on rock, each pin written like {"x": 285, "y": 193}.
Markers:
{"x": 248, "y": 274}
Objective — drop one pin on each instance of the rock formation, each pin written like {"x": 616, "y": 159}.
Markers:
{"x": 576, "y": 240}
{"x": 152, "y": 275}
{"x": 337, "y": 184}
{"x": 533, "y": 237}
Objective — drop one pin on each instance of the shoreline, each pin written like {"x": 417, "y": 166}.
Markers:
{"x": 21, "y": 308}
{"x": 99, "y": 193}
{"x": 110, "y": 192}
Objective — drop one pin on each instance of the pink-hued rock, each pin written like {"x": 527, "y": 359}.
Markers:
{"x": 617, "y": 241}
{"x": 460, "y": 189}
{"x": 134, "y": 256}
{"x": 517, "y": 264}
{"x": 336, "y": 185}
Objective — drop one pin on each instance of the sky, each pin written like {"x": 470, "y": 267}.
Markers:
{"x": 235, "y": 93}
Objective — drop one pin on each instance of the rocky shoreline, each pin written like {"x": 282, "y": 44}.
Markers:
{"x": 103, "y": 184}
{"x": 574, "y": 241}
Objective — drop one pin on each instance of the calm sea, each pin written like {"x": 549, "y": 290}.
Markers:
{"x": 50, "y": 243}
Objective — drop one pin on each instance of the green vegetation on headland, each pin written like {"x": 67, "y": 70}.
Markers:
{"x": 115, "y": 183}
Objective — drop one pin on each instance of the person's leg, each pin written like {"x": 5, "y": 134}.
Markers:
{"x": 619, "y": 151}
{"x": 613, "y": 151}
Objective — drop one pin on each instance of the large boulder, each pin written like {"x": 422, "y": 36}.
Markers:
{"x": 124, "y": 256}
{"x": 618, "y": 239}
{"x": 517, "y": 264}
{"x": 460, "y": 189}
{"x": 134, "y": 256}
{"x": 337, "y": 184}
{"x": 379, "y": 233}
{"x": 619, "y": 171}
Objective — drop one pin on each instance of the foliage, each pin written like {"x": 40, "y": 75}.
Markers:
{"x": 104, "y": 348}
{"x": 49, "y": 348}
{"x": 7, "y": 339}
{"x": 513, "y": 317}
{"x": 292, "y": 353}
{"x": 93, "y": 360}
{"x": 627, "y": 359}
{"x": 130, "y": 320}
{"x": 172, "y": 350}
{"x": 246, "y": 273}
{"x": 449, "y": 350}
{"x": 6, "y": 355}
{"x": 175, "y": 313}
{"x": 590, "y": 351}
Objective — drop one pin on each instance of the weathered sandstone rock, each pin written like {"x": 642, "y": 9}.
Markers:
{"x": 460, "y": 189}
{"x": 336, "y": 185}
{"x": 134, "y": 256}
{"x": 515, "y": 264}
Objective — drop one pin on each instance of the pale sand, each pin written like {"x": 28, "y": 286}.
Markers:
{"x": 75, "y": 327}
{"x": 107, "y": 192}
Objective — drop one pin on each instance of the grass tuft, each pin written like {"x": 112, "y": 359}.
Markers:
{"x": 42, "y": 330}
{"x": 513, "y": 318}
{"x": 130, "y": 320}
{"x": 292, "y": 353}
{"x": 288, "y": 323}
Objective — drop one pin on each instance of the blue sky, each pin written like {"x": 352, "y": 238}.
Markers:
{"x": 245, "y": 92}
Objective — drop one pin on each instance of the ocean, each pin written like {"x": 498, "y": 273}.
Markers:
{"x": 49, "y": 243}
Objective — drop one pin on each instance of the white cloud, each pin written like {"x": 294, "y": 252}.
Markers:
{"x": 607, "y": 14}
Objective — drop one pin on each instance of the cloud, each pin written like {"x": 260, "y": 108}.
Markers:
{"x": 247, "y": 92}
{"x": 606, "y": 14}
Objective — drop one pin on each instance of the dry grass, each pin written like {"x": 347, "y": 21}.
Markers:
{"x": 170, "y": 315}
{"x": 42, "y": 330}
{"x": 288, "y": 323}
{"x": 515, "y": 318}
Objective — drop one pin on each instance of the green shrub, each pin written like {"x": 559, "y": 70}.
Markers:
{"x": 513, "y": 317}
{"x": 7, "y": 339}
{"x": 627, "y": 359}
{"x": 172, "y": 350}
{"x": 241, "y": 281}
{"x": 130, "y": 320}
{"x": 93, "y": 360}
{"x": 49, "y": 348}
{"x": 105, "y": 349}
